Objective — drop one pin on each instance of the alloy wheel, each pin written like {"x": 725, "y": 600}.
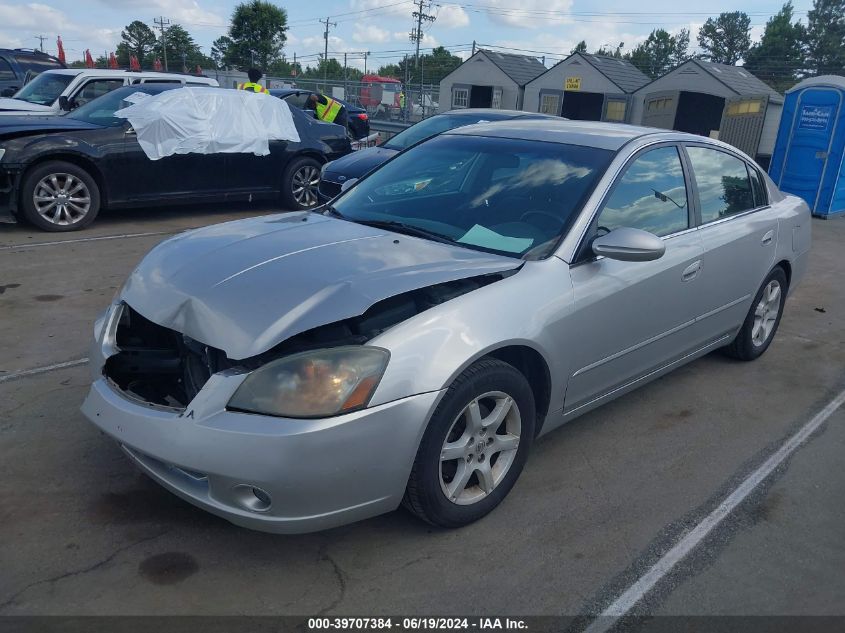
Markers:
{"x": 480, "y": 448}
{"x": 766, "y": 313}
{"x": 306, "y": 179}
{"x": 61, "y": 199}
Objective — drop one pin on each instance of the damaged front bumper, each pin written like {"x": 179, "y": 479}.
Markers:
{"x": 263, "y": 472}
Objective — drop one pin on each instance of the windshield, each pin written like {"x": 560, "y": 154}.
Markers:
{"x": 44, "y": 89}
{"x": 506, "y": 196}
{"x": 101, "y": 110}
{"x": 430, "y": 127}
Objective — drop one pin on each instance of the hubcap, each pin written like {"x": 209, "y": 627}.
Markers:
{"x": 766, "y": 313}
{"x": 305, "y": 182}
{"x": 61, "y": 199}
{"x": 480, "y": 448}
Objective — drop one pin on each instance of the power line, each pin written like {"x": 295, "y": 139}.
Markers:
{"x": 328, "y": 23}
{"x": 421, "y": 16}
{"x": 40, "y": 39}
{"x": 162, "y": 24}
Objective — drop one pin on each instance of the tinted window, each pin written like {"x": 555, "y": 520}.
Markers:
{"x": 97, "y": 88}
{"x": 36, "y": 64}
{"x": 651, "y": 195}
{"x": 45, "y": 89}
{"x": 760, "y": 197}
{"x": 6, "y": 72}
{"x": 297, "y": 99}
{"x": 506, "y": 196}
{"x": 101, "y": 111}
{"x": 724, "y": 188}
{"x": 431, "y": 127}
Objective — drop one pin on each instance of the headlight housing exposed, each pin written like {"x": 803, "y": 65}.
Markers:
{"x": 313, "y": 384}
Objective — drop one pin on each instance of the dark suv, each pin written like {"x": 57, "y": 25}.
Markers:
{"x": 19, "y": 65}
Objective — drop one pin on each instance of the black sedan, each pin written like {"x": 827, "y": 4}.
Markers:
{"x": 359, "y": 163}
{"x": 58, "y": 172}
{"x": 358, "y": 121}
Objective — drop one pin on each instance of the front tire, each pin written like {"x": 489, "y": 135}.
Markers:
{"x": 475, "y": 446}
{"x": 763, "y": 319}
{"x": 300, "y": 182}
{"x": 59, "y": 196}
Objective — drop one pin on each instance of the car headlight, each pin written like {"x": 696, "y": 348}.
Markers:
{"x": 313, "y": 384}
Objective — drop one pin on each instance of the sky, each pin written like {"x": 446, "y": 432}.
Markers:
{"x": 381, "y": 27}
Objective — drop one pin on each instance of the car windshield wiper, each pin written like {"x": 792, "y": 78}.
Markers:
{"x": 407, "y": 229}
{"x": 330, "y": 210}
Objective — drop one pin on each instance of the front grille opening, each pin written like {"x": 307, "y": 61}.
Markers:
{"x": 158, "y": 365}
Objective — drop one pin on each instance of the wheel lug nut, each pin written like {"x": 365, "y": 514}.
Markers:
{"x": 469, "y": 458}
{"x": 489, "y": 440}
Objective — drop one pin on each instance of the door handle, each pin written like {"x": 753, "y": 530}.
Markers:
{"x": 691, "y": 271}
{"x": 768, "y": 237}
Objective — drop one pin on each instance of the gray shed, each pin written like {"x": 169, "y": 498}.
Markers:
{"x": 586, "y": 87}
{"x": 489, "y": 79}
{"x": 716, "y": 100}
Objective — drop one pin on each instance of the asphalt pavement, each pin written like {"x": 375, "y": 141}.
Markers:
{"x": 599, "y": 503}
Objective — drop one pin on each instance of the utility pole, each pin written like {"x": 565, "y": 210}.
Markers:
{"x": 421, "y": 16}
{"x": 40, "y": 39}
{"x": 328, "y": 23}
{"x": 344, "y": 76}
{"x": 162, "y": 23}
{"x": 366, "y": 55}
{"x": 293, "y": 70}
{"x": 184, "y": 62}
{"x": 473, "y": 47}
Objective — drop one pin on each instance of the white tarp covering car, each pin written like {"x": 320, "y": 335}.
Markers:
{"x": 208, "y": 121}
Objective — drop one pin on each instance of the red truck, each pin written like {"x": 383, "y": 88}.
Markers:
{"x": 380, "y": 96}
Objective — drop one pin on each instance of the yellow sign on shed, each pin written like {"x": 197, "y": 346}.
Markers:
{"x": 572, "y": 83}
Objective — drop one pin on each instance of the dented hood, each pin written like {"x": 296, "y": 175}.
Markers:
{"x": 245, "y": 286}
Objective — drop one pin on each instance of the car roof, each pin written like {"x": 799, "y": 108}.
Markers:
{"x": 110, "y": 72}
{"x": 610, "y": 136}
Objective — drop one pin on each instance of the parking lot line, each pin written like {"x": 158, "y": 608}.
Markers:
{"x": 91, "y": 239}
{"x": 42, "y": 370}
{"x": 638, "y": 590}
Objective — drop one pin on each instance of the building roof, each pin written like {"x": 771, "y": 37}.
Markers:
{"x": 620, "y": 71}
{"x": 738, "y": 79}
{"x": 520, "y": 68}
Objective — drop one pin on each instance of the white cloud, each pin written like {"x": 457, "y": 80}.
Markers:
{"x": 370, "y": 33}
{"x": 452, "y": 16}
{"x": 531, "y": 14}
{"x": 36, "y": 17}
{"x": 188, "y": 13}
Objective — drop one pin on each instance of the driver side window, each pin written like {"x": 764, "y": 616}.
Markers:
{"x": 651, "y": 195}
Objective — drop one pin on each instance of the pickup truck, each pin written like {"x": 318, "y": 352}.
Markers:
{"x": 56, "y": 91}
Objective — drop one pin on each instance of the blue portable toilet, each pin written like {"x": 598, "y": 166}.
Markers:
{"x": 808, "y": 156}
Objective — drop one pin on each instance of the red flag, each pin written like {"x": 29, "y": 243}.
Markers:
{"x": 89, "y": 61}
{"x": 157, "y": 65}
{"x": 61, "y": 51}
{"x": 134, "y": 64}
{"x": 113, "y": 62}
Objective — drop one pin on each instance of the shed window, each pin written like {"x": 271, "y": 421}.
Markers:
{"x": 550, "y": 104}
{"x": 496, "y": 103}
{"x": 746, "y": 106}
{"x": 615, "y": 111}
{"x": 460, "y": 97}
{"x": 658, "y": 105}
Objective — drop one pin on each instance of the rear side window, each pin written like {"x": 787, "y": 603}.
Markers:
{"x": 6, "y": 72}
{"x": 97, "y": 88}
{"x": 36, "y": 64}
{"x": 651, "y": 195}
{"x": 724, "y": 188}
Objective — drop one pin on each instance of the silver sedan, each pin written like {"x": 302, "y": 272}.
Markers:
{"x": 408, "y": 342}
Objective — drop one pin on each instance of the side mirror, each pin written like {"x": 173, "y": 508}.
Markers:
{"x": 629, "y": 245}
{"x": 65, "y": 104}
{"x": 348, "y": 183}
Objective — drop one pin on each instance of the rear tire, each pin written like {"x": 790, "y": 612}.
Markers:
{"x": 475, "y": 446}
{"x": 299, "y": 183}
{"x": 58, "y": 196}
{"x": 763, "y": 319}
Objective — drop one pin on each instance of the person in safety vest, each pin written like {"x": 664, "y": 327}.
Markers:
{"x": 328, "y": 109}
{"x": 255, "y": 76}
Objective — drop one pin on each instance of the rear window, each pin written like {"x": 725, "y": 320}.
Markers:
{"x": 6, "y": 72}
{"x": 36, "y": 64}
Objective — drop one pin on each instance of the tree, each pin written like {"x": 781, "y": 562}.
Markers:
{"x": 660, "y": 52}
{"x": 257, "y": 35}
{"x": 826, "y": 37}
{"x": 136, "y": 39}
{"x": 182, "y": 51}
{"x": 725, "y": 39}
{"x": 617, "y": 52}
{"x": 390, "y": 70}
{"x": 580, "y": 47}
{"x": 220, "y": 52}
{"x": 779, "y": 56}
